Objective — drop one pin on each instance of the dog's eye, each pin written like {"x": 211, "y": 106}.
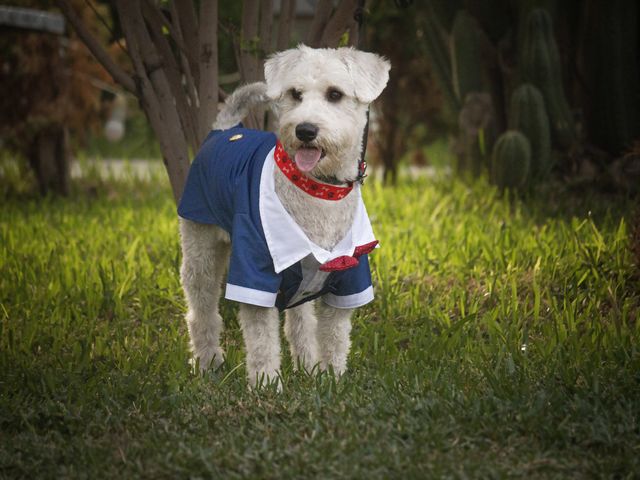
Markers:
{"x": 296, "y": 94}
{"x": 334, "y": 95}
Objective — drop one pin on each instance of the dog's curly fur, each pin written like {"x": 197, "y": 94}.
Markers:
{"x": 318, "y": 334}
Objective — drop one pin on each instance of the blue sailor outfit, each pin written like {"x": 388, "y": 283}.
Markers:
{"x": 273, "y": 262}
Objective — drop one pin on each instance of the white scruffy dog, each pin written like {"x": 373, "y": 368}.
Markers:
{"x": 320, "y": 98}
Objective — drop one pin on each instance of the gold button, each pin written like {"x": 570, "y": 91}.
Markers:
{"x": 235, "y": 137}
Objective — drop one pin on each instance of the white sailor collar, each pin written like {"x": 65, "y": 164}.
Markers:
{"x": 287, "y": 242}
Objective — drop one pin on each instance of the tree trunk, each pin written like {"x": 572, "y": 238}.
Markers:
{"x": 155, "y": 94}
{"x": 49, "y": 159}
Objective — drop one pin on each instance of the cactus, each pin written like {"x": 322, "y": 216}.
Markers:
{"x": 511, "y": 160}
{"x": 436, "y": 50}
{"x": 475, "y": 124}
{"x": 528, "y": 115}
{"x": 540, "y": 65}
{"x": 470, "y": 77}
{"x": 466, "y": 56}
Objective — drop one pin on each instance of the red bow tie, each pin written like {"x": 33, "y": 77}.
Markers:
{"x": 346, "y": 262}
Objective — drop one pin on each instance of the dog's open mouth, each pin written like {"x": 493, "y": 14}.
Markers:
{"x": 307, "y": 157}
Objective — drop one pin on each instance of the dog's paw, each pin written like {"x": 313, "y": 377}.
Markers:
{"x": 337, "y": 368}
{"x": 209, "y": 358}
{"x": 261, "y": 381}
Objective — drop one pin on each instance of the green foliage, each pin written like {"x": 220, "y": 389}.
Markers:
{"x": 540, "y": 65}
{"x": 528, "y": 115}
{"x": 511, "y": 160}
{"x": 502, "y": 343}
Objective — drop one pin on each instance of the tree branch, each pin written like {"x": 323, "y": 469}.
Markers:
{"x": 248, "y": 51}
{"x": 266, "y": 19}
{"x": 156, "y": 97}
{"x": 152, "y": 11}
{"x": 190, "y": 84}
{"x": 248, "y": 37}
{"x": 339, "y": 23}
{"x": 208, "y": 52}
{"x": 155, "y": 21}
{"x": 287, "y": 12}
{"x": 354, "y": 34}
{"x": 116, "y": 72}
{"x": 320, "y": 19}
{"x": 189, "y": 28}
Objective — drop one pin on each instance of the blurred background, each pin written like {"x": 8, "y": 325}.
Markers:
{"x": 522, "y": 92}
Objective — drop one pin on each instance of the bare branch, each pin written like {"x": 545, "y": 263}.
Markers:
{"x": 190, "y": 84}
{"x": 106, "y": 25}
{"x": 266, "y": 19}
{"x": 208, "y": 85}
{"x": 287, "y": 12}
{"x": 355, "y": 29}
{"x": 189, "y": 28}
{"x": 248, "y": 37}
{"x": 116, "y": 72}
{"x": 152, "y": 11}
{"x": 354, "y": 34}
{"x": 320, "y": 19}
{"x": 156, "y": 97}
{"x": 155, "y": 21}
{"x": 340, "y": 22}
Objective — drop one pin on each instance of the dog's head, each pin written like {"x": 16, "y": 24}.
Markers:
{"x": 321, "y": 98}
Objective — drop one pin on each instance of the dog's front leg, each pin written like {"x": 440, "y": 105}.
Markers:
{"x": 334, "y": 327}
{"x": 300, "y": 328}
{"x": 261, "y": 332}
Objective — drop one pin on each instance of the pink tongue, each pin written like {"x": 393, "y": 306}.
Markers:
{"x": 307, "y": 158}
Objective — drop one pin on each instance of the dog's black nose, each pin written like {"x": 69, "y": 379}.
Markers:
{"x": 306, "y": 131}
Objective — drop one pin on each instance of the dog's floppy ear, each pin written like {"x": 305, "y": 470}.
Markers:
{"x": 370, "y": 72}
{"x": 273, "y": 68}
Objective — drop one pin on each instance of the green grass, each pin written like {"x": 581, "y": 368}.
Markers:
{"x": 503, "y": 341}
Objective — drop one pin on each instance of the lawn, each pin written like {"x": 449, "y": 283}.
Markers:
{"x": 503, "y": 341}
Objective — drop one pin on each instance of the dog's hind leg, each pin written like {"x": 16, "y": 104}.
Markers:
{"x": 334, "y": 328}
{"x": 300, "y": 329}
{"x": 205, "y": 254}
{"x": 261, "y": 332}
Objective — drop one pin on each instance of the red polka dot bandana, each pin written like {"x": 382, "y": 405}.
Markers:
{"x": 305, "y": 183}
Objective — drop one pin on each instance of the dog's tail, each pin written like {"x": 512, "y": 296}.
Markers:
{"x": 238, "y": 104}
